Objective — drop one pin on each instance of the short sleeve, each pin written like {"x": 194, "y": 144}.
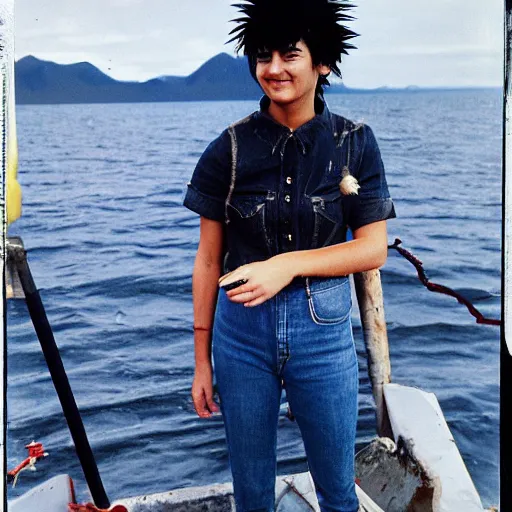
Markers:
{"x": 209, "y": 185}
{"x": 373, "y": 202}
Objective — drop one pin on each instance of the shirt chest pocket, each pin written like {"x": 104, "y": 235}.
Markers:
{"x": 328, "y": 219}
{"x": 247, "y": 214}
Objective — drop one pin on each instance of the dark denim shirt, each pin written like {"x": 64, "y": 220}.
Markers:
{"x": 278, "y": 190}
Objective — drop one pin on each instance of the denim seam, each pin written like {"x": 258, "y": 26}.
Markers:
{"x": 264, "y": 223}
{"x": 335, "y": 230}
{"x": 361, "y": 153}
{"x": 234, "y": 151}
{"x": 252, "y": 214}
{"x": 283, "y": 147}
{"x": 283, "y": 350}
{"x": 337, "y": 285}
{"x": 321, "y": 321}
{"x": 316, "y": 228}
{"x": 234, "y": 156}
{"x": 353, "y": 340}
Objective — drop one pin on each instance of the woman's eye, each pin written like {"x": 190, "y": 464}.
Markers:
{"x": 291, "y": 56}
{"x": 263, "y": 57}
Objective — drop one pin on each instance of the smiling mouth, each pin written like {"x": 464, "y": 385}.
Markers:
{"x": 273, "y": 81}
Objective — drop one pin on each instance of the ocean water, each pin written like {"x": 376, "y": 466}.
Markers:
{"x": 111, "y": 249}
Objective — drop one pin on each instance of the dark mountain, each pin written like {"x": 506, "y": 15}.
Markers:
{"x": 221, "y": 78}
{"x": 39, "y": 81}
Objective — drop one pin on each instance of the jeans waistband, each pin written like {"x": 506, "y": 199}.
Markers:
{"x": 300, "y": 281}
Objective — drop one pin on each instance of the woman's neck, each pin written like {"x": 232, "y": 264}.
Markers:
{"x": 293, "y": 115}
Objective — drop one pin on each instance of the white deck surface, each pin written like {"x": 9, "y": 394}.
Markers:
{"x": 416, "y": 417}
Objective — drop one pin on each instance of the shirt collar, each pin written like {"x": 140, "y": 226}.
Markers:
{"x": 275, "y": 133}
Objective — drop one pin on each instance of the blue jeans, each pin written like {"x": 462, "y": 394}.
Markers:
{"x": 302, "y": 337}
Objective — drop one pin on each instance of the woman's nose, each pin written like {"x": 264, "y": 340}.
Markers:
{"x": 276, "y": 64}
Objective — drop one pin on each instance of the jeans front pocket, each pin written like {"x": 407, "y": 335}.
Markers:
{"x": 330, "y": 300}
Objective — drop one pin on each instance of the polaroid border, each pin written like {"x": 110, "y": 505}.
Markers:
{"x": 506, "y": 274}
{"x": 6, "y": 67}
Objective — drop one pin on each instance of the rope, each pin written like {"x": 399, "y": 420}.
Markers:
{"x": 434, "y": 287}
{"x": 90, "y": 507}
{"x": 29, "y": 463}
{"x": 35, "y": 452}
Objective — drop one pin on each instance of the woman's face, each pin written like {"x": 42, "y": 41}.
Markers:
{"x": 288, "y": 75}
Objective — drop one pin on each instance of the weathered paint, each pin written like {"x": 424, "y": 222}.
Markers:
{"x": 395, "y": 479}
{"x": 294, "y": 493}
{"x": 419, "y": 425}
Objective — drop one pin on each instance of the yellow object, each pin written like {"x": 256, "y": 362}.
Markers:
{"x": 13, "y": 189}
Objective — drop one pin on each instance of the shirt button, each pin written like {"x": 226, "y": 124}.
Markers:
{"x": 287, "y": 198}
{"x": 290, "y": 237}
{"x": 289, "y": 180}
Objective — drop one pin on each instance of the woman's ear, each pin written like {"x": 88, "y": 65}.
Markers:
{"x": 323, "y": 70}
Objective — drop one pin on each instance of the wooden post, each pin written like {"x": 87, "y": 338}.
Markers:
{"x": 371, "y": 307}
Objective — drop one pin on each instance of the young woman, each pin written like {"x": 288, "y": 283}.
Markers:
{"x": 276, "y": 192}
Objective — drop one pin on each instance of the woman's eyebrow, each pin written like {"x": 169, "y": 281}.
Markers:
{"x": 287, "y": 49}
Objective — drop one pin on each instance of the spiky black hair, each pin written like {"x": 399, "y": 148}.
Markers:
{"x": 277, "y": 24}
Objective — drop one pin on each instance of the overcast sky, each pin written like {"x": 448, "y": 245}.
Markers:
{"x": 402, "y": 42}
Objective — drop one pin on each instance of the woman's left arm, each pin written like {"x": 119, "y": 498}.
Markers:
{"x": 368, "y": 250}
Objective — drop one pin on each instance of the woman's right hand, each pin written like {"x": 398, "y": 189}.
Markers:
{"x": 202, "y": 391}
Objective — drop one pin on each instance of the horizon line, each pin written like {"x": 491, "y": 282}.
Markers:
{"x": 334, "y": 84}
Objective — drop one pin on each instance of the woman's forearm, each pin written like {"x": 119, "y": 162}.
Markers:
{"x": 357, "y": 255}
{"x": 204, "y": 290}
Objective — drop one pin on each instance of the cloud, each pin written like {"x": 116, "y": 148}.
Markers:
{"x": 138, "y": 40}
{"x": 102, "y": 40}
{"x": 435, "y": 70}
{"x": 467, "y": 51}
{"x": 60, "y": 26}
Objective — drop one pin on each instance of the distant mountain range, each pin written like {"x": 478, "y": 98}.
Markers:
{"x": 221, "y": 78}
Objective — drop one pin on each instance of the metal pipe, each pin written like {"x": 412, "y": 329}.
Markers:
{"x": 59, "y": 377}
